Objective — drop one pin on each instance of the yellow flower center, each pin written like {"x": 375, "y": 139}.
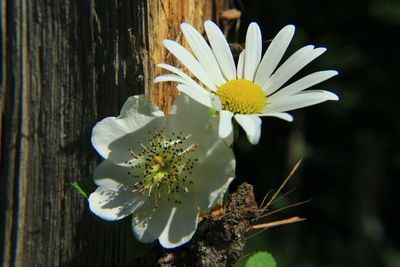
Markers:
{"x": 242, "y": 96}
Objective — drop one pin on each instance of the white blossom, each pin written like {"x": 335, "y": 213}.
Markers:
{"x": 162, "y": 171}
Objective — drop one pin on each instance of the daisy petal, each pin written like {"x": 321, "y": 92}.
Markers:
{"x": 221, "y": 49}
{"x": 326, "y": 94}
{"x": 216, "y": 102}
{"x": 240, "y": 65}
{"x": 189, "y": 81}
{"x": 299, "y": 100}
{"x": 169, "y": 78}
{"x": 280, "y": 115}
{"x": 203, "y": 53}
{"x": 251, "y": 125}
{"x": 225, "y": 123}
{"x": 199, "y": 96}
{"x": 190, "y": 62}
{"x": 291, "y": 66}
{"x": 181, "y": 225}
{"x": 303, "y": 83}
{"x": 253, "y": 51}
{"x": 274, "y": 54}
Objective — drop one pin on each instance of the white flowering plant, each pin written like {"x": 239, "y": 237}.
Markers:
{"x": 162, "y": 171}
{"x": 167, "y": 170}
{"x": 253, "y": 87}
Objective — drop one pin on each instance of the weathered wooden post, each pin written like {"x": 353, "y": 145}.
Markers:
{"x": 66, "y": 65}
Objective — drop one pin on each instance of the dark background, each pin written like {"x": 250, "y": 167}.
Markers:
{"x": 350, "y": 148}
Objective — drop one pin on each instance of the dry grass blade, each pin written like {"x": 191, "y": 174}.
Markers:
{"x": 283, "y": 195}
{"x": 283, "y": 208}
{"x": 277, "y": 223}
{"x": 282, "y": 185}
{"x": 265, "y": 198}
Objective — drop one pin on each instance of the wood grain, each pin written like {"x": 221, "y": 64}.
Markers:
{"x": 164, "y": 20}
{"x": 66, "y": 65}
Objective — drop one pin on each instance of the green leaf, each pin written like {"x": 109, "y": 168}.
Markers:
{"x": 85, "y": 186}
{"x": 261, "y": 259}
{"x": 80, "y": 190}
{"x": 212, "y": 112}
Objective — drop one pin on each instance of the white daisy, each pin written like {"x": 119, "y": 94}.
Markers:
{"x": 163, "y": 171}
{"x": 251, "y": 89}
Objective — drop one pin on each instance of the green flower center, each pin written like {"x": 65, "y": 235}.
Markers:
{"x": 242, "y": 96}
{"x": 163, "y": 167}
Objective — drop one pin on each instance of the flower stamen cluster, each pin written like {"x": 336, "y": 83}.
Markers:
{"x": 162, "y": 167}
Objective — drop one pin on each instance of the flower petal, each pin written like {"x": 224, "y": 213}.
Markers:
{"x": 252, "y": 126}
{"x": 303, "y": 83}
{"x": 213, "y": 172}
{"x": 299, "y": 100}
{"x": 225, "y": 123}
{"x": 216, "y": 102}
{"x": 291, "y": 66}
{"x": 202, "y": 97}
{"x": 149, "y": 222}
{"x": 114, "y": 205}
{"x": 111, "y": 176}
{"x": 240, "y": 65}
{"x": 190, "y": 62}
{"x": 187, "y": 80}
{"x": 182, "y": 224}
{"x": 274, "y": 54}
{"x": 187, "y": 116}
{"x": 214, "y": 121}
{"x": 169, "y": 78}
{"x": 280, "y": 115}
{"x": 113, "y": 136}
{"x": 253, "y": 51}
{"x": 221, "y": 49}
{"x": 113, "y": 199}
{"x": 323, "y": 93}
{"x": 214, "y": 168}
{"x": 203, "y": 53}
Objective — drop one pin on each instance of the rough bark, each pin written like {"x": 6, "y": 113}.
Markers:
{"x": 65, "y": 65}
